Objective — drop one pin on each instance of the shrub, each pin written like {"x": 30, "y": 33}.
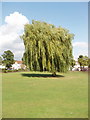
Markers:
{"x": 4, "y": 71}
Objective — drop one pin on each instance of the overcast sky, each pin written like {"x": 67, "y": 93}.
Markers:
{"x": 73, "y": 16}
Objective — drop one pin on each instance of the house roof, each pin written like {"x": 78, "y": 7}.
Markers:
{"x": 19, "y": 62}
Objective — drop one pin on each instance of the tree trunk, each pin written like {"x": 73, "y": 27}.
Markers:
{"x": 54, "y": 74}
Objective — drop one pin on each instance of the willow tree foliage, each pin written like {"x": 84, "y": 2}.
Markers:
{"x": 47, "y": 48}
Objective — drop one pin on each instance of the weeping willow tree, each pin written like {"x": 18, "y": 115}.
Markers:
{"x": 47, "y": 48}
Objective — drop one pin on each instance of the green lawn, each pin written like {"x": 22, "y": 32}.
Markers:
{"x": 38, "y": 95}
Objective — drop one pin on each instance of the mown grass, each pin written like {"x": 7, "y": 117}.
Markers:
{"x": 39, "y": 95}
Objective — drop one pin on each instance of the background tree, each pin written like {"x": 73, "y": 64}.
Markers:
{"x": 8, "y": 58}
{"x": 83, "y": 61}
{"x": 0, "y": 60}
{"x": 89, "y": 62}
{"x": 47, "y": 47}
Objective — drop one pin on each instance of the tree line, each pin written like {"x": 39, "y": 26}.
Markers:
{"x": 7, "y": 59}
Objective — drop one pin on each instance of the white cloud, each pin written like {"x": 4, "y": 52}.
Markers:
{"x": 16, "y": 19}
{"x": 10, "y": 34}
{"x": 80, "y": 44}
{"x": 80, "y": 48}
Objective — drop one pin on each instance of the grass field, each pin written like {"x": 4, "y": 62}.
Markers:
{"x": 38, "y": 95}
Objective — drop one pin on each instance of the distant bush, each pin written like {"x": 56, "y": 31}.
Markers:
{"x": 14, "y": 70}
{"x": 19, "y": 70}
{"x": 9, "y": 71}
{"x": 4, "y": 70}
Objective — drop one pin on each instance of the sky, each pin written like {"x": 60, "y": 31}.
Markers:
{"x": 70, "y": 15}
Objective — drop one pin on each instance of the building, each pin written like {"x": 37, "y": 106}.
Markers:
{"x": 18, "y": 65}
{"x": 76, "y": 67}
{"x": 2, "y": 66}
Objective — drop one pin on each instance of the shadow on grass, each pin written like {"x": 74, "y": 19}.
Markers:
{"x": 39, "y": 75}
